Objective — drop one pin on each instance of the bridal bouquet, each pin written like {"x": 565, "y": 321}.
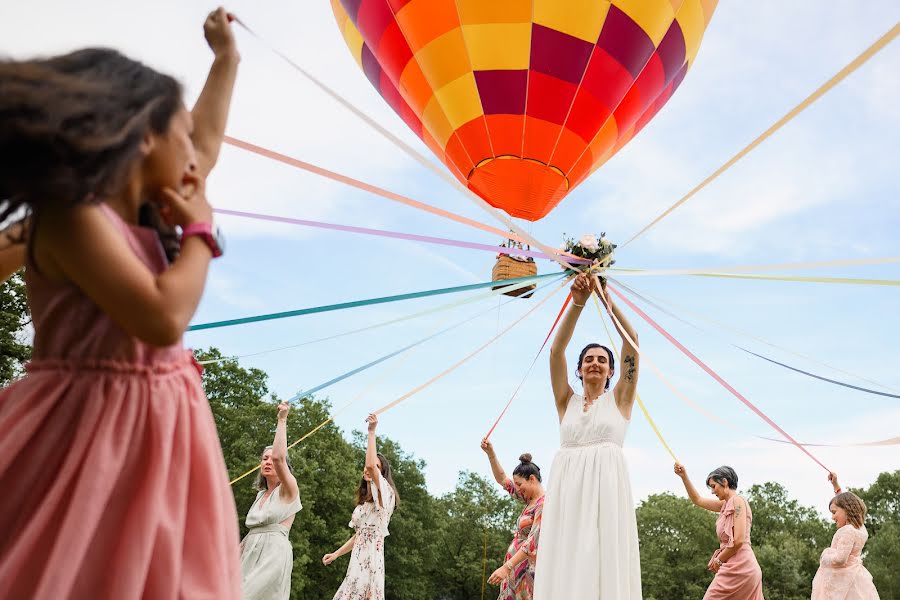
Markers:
{"x": 597, "y": 249}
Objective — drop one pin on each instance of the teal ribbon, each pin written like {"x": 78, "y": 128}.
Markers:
{"x": 370, "y": 301}
{"x": 390, "y": 355}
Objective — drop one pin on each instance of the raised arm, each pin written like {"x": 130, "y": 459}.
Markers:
{"x": 289, "y": 489}
{"x": 559, "y": 376}
{"x": 12, "y": 251}
{"x": 155, "y": 308}
{"x": 12, "y": 258}
{"x": 210, "y": 113}
{"x": 499, "y": 474}
{"x": 693, "y": 494}
{"x": 626, "y": 387}
{"x": 372, "y": 453}
{"x": 833, "y": 480}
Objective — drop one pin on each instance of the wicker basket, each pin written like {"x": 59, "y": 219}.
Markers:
{"x": 507, "y": 267}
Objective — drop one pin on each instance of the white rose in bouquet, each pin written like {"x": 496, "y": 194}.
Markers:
{"x": 589, "y": 242}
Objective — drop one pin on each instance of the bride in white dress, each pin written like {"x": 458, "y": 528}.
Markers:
{"x": 589, "y": 540}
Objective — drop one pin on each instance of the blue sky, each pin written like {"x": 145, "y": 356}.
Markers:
{"x": 825, "y": 187}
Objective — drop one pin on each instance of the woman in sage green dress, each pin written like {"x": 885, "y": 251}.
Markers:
{"x": 266, "y": 553}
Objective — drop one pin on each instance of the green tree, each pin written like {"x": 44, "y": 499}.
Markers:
{"x": 324, "y": 464}
{"x": 676, "y": 541}
{"x": 476, "y": 522}
{"x": 882, "y": 552}
{"x": 14, "y": 317}
{"x": 882, "y": 558}
{"x": 882, "y": 500}
{"x": 788, "y": 540}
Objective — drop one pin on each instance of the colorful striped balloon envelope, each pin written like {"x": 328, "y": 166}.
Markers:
{"x": 524, "y": 99}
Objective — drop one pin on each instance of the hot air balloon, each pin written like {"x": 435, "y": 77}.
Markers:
{"x": 524, "y": 99}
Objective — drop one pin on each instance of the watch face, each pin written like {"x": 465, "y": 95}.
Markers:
{"x": 219, "y": 237}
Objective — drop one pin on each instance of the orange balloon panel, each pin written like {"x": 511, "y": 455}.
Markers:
{"x": 524, "y": 99}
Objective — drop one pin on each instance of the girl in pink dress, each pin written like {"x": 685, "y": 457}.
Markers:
{"x": 738, "y": 576}
{"x": 841, "y": 574}
{"x": 113, "y": 480}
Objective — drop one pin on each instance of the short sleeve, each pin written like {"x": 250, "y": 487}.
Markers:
{"x": 512, "y": 490}
{"x": 728, "y": 525}
{"x": 382, "y": 495}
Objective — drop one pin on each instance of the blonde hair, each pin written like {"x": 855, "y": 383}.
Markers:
{"x": 261, "y": 483}
{"x": 853, "y": 505}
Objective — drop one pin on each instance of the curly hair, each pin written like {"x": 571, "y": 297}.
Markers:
{"x": 853, "y": 505}
{"x": 71, "y": 126}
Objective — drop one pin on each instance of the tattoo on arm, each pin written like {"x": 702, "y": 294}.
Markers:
{"x": 737, "y": 510}
{"x": 629, "y": 367}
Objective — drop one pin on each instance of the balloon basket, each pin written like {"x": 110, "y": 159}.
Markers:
{"x": 508, "y": 267}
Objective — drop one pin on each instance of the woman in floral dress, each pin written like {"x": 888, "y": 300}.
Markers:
{"x": 375, "y": 501}
{"x": 516, "y": 575}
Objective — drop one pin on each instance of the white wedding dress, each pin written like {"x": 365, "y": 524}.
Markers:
{"x": 588, "y": 549}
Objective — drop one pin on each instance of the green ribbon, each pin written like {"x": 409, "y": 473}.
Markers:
{"x": 370, "y": 301}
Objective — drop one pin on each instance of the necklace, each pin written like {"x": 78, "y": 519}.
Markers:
{"x": 587, "y": 404}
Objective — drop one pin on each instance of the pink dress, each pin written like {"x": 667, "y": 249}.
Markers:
{"x": 112, "y": 477}
{"x": 841, "y": 574}
{"x": 740, "y": 577}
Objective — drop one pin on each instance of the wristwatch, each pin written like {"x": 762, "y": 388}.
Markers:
{"x": 209, "y": 233}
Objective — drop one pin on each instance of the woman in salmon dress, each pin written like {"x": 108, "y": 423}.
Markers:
{"x": 738, "y": 576}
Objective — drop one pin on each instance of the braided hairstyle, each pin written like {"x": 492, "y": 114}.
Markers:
{"x": 853, "y": 505}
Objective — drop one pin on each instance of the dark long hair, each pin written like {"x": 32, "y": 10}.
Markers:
{"x": 71, "y": 126}
{"x": 584, "y": 351}
{"x": 364, "y": 494}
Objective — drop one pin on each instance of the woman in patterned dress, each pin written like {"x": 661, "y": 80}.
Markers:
{"x": 516, "y": 575}
{"x": 376, "y": 499}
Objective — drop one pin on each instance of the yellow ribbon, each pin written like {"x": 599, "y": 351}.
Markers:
{"x": 465, "y": 359}
{"x": 840, "y": 76}
{"x": 813, "y": 264}
{"x": 636, "y": 394}
{"x": 802, "y": 278}
{"x": 417, "y": 389}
